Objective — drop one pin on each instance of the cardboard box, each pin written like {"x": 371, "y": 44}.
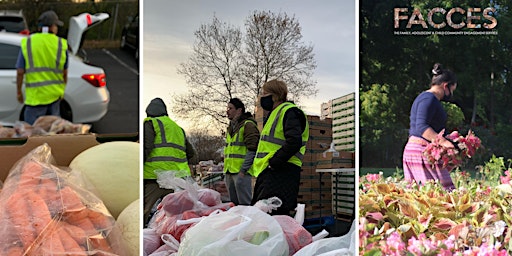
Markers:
{"x": 65, "y": 147}
{"x": 339, "y": 159}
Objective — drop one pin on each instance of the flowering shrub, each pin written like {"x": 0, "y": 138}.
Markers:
{"x": 452, "y": 157}
{"x": 402, "y": 218}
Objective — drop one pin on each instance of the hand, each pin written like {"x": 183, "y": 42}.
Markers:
{"x": 241, "y": 174}
{"x": 447, "y": 144}
{"x": 20, "y": 97}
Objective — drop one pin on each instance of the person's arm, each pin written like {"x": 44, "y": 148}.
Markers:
{"x": 190, "y": 151}
{"x": 430, "y": 135}
{"x": 65, "y": 76}
{"x": 65, "y": 71}
{"x": 424, "y": 116}
{"x": 251, "y": 139}
{"x": 294, "y": 124}
{"x": 20, "y": 73}
{"x": 149, "y": 139}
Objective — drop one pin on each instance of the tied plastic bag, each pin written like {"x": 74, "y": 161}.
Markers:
{"x": 340, "y": 246}
{"x": 45, "y": 210}
{"x": 268, "y": 205}
{"x": 242, "y": 230}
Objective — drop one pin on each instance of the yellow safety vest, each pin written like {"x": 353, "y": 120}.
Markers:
{"x": 272, "y": 139}
{"x": 235, "y": 151}
{"x": 45, "y": 56}
{"x": 169, "y": 153}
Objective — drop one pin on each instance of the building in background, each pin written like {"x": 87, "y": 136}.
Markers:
{"x": 342, "y": 112}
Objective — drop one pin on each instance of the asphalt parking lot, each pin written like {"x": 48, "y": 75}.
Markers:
{"x": 123, "y": 83}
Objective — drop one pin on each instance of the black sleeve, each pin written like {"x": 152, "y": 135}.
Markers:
{"x": 294, "y": 123}
{"x": 190, "y": 151}
{"x": 149, "y": 139}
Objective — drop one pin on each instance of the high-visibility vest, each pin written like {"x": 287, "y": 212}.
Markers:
{"x": 45, "y": 57}
{"x": 235, "y": 150}
{"x": 272, "y": 139}
{"x": 169, "y": 153}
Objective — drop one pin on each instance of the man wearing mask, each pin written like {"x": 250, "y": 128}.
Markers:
{"x": 166, "y": 148}
{"x": 241, "y": 143}
{"x": 282, "y": 146}
{"x": 43, "y": 63}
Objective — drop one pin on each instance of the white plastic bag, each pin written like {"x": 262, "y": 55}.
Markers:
{"x": 242, "y": 230}
{"x": 340, "y": 246}
{"x": 269, "y": 204}
{"x": 299, "y": 213}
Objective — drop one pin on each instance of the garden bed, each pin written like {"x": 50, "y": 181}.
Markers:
{"x": 402, "y": 218}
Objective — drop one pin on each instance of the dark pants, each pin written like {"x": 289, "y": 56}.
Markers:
{"x": 152, "y": 192}
{"x": 282, "y": 183}
{"x": 33, "y": 112}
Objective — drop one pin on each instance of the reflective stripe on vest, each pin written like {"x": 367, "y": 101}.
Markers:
{"x": 45, "y": 57}
{"x": 169, "y": 153}
{"x": 272, "y": 139}
{"x": 235, "y": 151}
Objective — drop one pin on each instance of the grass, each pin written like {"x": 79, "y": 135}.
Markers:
{"x": 385, "y": 171}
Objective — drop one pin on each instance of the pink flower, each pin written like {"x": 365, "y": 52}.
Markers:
{"x": 372, "y": 177}
{"x": 505, "y": 179}
{"x": 451, "y": 157}
{"x": 395, "y": 243}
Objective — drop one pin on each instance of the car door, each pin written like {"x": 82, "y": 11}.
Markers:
{"x": 132, "y": 36}
{"x": 79, "y": 24}
{"x": 8, "y": 102}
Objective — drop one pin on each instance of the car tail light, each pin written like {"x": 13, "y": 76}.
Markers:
{"x": 97, "y": 80}
{"x": 25, "y": 32}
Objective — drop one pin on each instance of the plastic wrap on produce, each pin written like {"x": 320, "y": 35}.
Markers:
{"x": 46, "y": 210}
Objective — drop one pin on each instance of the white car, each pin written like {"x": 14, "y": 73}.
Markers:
{"x": 86, "y": 97}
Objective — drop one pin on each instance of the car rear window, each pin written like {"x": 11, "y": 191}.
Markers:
{"x": 12, "y": 24}
{"x": 9, "y": 56}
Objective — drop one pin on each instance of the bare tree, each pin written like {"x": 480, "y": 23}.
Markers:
{"x": 207, "y": 146}
{"x": 273, "y": 49}
{"x": 211, "y": 72}
{"x": 224, "y": 65}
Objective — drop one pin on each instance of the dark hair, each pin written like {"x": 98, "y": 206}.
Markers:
{"x": 237, "y": 103}
{"x": 441, "y": 75}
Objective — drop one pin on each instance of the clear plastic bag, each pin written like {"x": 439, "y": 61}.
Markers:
{"x": 45, "y": 210}
{"x": 242, "y": 230}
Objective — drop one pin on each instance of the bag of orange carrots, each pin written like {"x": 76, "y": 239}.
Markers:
{"x": 46, "y": 210}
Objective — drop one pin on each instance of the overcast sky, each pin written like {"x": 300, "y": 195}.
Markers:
{"x": 168, "y": 37}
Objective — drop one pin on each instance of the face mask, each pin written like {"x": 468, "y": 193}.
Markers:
{"x": 447, "y": 97}
{"x": 267, "y": 103}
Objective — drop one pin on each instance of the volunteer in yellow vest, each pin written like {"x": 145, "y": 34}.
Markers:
{"x": 166, "y": 148}
{"x": 43, "y": 64}
{"x": 281, "y": 148}
{"x": 241, "y": 143}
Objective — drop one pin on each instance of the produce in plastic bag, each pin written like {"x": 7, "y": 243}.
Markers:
{"x": 242, "y": 230}
{"x": 296, "y": 235}
{"x": 151, "y": 240}
{"x": 47, "y": 211}
{"x": 182, "y": 209}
